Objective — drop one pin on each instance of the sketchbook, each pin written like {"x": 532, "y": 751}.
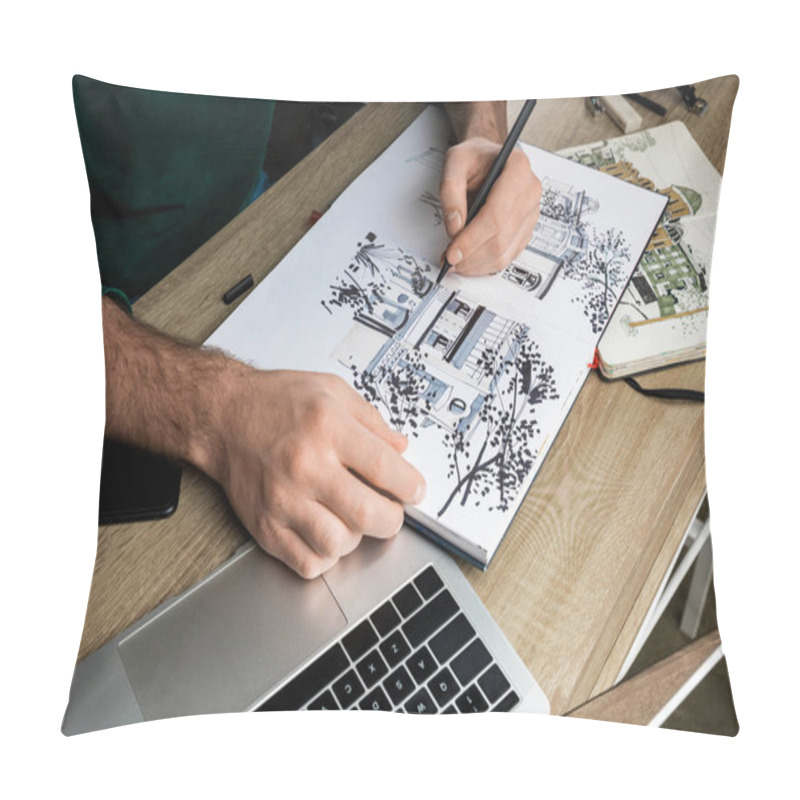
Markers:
{"x": 661, "y": 317}
{"x": 479, "y": 373}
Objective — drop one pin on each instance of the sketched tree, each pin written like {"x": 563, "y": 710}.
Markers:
{"x": 398, "y": 388}
{"x": 365, "y": 281}
{"x": 636, "y": 144}
{"x": 633, "y": 307}
{"x": 554, "y": 205}
{"x": 491, "y": 465}
{"x": 628, "y": 301}
{"x": 362, "y": 283}
{"x": 348, "y": 292}
{"x": 600, "y": 272}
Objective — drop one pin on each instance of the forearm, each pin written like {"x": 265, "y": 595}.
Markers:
{"x": 162, "y": 395}
{"x": 480, "y": 119}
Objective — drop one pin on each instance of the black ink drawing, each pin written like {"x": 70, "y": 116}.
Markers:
{"x": 428, "y": 198}
{"x": 566, "y": 246}
{"x": 433, "y": 158}
{"x": 441, "y": 364}
{"x": 558, "y": 240}
{"x": 381, "y": 284}
{"x": 493, "y": 465}
{"x": 601, "y": 274}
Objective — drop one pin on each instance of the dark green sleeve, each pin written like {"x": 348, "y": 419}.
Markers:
{"x": 166, "y": 171}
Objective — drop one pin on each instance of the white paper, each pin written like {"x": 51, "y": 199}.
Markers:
{"x": 479, "y": 373}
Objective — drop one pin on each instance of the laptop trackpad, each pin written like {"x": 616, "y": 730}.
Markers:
{"x": 229, "y": 640}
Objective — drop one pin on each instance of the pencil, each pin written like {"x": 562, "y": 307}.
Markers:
{"x": 647, "y": 103}
{"x": 494, "y": 172}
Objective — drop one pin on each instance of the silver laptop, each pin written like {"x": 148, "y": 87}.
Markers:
{"x": 393, "y": 626}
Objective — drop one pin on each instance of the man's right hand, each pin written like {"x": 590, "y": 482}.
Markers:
{"x": 309, "y": 466}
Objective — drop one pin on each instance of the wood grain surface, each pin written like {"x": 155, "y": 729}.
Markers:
{"x": 638, "y": 699}
{"x": 585, "y": 555}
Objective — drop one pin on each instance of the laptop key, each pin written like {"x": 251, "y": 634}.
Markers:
{"x": 420, "y": 703}
{"x": 428, "y": 583}
{"x": 372, "y": 668}
{"x": 399, "y": 685}
{"x": 471, "y": 661}
{"x": 348, "y": 689}
{"x": 508, "y": 702}
{"x": 407, "y": 600}
{"x": 395, "y": 649}
{"x": 309, "y": 683}
{"x": 471, "y": 700}
{"x": 325, "y": 702}
{"x": 359, "y": 640}
{"x": 376, "y": 700}
{"x": 493, "y": 683}
{"x": 443, "y": 687}
{"x": 385, "y": 619}
{"x": 452, "y": 638}
{"x": 421, "y": 665}
{"x": 430, "y": 618}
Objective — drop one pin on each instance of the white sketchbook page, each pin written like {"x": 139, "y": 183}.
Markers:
{"x": 640, "y": 330}
{"x": 480, "y": 373}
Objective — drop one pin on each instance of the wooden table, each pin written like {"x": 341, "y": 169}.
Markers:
{"x": 598, "y": 531}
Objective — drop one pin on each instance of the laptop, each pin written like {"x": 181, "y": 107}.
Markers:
{"x": 393, "y": 626}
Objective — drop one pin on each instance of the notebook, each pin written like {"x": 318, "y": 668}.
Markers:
{"x": 662, "y": 315}
{"x": 479, "y": 373}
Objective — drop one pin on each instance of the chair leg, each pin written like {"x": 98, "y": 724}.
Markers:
{"x": 698, "y": 591}
{"x": 688, "y": 686}
{"x": 669, "y": 587}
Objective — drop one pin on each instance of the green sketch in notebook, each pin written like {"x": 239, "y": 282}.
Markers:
{"x": 662, "y": 315}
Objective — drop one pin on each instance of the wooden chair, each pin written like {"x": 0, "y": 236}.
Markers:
{"x": 650, "y": 697}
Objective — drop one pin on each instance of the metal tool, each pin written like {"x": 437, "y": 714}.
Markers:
{"x": 595, "y": 106}
{"x": 694, "y": 103}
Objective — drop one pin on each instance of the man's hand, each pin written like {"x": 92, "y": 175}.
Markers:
{"x": 502, "y": 228}
{"x": 308, "y": 465}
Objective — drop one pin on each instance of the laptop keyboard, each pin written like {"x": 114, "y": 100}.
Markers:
{"x": 417, "y": 653}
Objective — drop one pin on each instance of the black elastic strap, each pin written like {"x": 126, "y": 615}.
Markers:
{"x": 668, "y": 394}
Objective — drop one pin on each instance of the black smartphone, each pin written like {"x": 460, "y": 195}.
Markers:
{"x": 136, "y": 485}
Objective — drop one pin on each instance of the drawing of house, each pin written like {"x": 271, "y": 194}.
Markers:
{"x": 683, "y": 201}
{"x": 665, "y": 270}
{"x": 395, "y": 300}
{"x": 667, "y": 266}
{"x": 601, "y": 155}
{"x": 451, "y": 350}
{"x": 557, "y": 240}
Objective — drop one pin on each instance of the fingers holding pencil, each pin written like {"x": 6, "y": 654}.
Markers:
{"x": 495, "y": 237}
{"x": 504, "y": 225}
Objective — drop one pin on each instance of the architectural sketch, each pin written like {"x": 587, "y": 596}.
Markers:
{"x": 558, "y": 240}
{"x": 601, "y": 154}
{"x": 441, "y": 364}
{"x": 670, "y": 279}
{"x": 480, "y": 374}
{"x": 565, "y": 245}
{"x": 433, "y": 158}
